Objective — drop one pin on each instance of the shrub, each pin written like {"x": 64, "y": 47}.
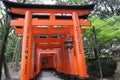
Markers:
{"x": 108, "y": 67}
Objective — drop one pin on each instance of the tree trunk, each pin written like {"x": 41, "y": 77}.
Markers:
{"x": 95, "y": 52}
{"x": 95, "y": 44}
{"x": 3, "y": 45}
{"x": 18, "y": 55}
{"x": 6, "y": 70}
{"x": 15, "y": 54}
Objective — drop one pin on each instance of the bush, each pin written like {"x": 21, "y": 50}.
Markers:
{"x": 108, "y": 67}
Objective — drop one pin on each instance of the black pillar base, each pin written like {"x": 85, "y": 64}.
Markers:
{"x": 66, "y": 77}
{"x": 73, "y": 77}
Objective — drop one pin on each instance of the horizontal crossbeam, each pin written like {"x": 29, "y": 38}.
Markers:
{"x": 46, "y": 54}
{"x": 47, "y": 16}
{"x": 37, "y": 22}
{"x": 47, "y": 51}
{"x": 49, "y": 42}
{"x": 45, "y": 30}
{"x": 55, "y": 40}
{"x": 38, "y": 46}
{"x": 34, "y": 10}
{"x": 84, "y": 22}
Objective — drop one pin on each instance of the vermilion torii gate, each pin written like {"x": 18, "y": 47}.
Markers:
{"x": 51, "y": 38}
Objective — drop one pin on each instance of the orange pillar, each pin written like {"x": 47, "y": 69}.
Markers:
{"x": 58, "y": 61}
{"x": 74, "y": 63}
{"x": 79, "y": 46}
{"x": 71, "y": 61}
{"x": 33, "y": 52}
{"x": 26, "y": 61}
{"x": 68, "y": 70}
{"x": 51, "y": 62}
{"x": 54, "y": 60}
{"x": 64, "y": 60}
{"x": 61, "y": 54}
{"x": 37, "y": 63}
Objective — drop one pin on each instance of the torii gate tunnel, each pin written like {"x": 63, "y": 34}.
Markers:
{"x": 51, "y": 38}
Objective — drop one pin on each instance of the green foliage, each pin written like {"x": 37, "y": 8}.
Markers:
{"x": 11, "y": 39}
{"x": 11, "y": 43}
{"x": 108, "y": 67}
{"x": 107, "y": 30}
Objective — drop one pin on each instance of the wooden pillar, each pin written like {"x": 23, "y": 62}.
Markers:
{"x": 37, "y": 62}
{"x": 33, "y": 52}
{"x": 74, "y": 63}
{"x": 54, "y": 60}
{"x": 26, "y": 61}
{"x": 68, "y": 70}
{"x": 58, "y": 60}
{"x": 70, "y": 58}
{"x": 79, "y": 50}
{"x": 71, "y": 64}
{"x": 64, "y": 60}
{"x": 51, "y": 62}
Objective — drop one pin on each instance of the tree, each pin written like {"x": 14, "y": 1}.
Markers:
{"x": 107, "y": 30}
{"x": 103, "y": 8}
{"x": 8, "y": 40}
{"x": 5, "y": 25}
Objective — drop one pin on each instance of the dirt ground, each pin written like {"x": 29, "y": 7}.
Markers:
{"x": 14, "y": 73}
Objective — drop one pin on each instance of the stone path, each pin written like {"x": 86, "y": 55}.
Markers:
{"x": 47, "y": 75}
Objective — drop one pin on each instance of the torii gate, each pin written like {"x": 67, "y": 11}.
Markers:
{"x": 51, "y": 26}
